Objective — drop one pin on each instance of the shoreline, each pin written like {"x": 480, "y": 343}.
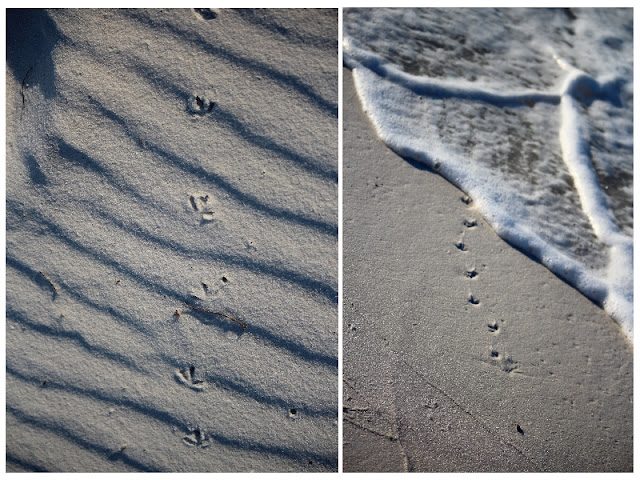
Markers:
{"x": 464, "y": 359}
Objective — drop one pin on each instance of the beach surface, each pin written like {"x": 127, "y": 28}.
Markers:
{"x": 171, "y": 240}
{"x": 460, "y": 352}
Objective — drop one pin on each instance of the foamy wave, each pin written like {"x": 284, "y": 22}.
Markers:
{"x": 525, "y": 155}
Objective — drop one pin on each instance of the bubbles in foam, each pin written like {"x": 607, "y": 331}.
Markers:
{"x": 529, "y": 112}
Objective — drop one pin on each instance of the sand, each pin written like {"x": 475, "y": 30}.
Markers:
{"x": 160, "y": 159}
{"x": 467, "y": 360}
{"x": 171, "y": 241}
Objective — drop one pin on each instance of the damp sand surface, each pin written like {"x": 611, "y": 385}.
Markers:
{"x": 461, "y": 353}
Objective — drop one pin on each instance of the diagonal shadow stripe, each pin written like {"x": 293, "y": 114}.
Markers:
{"x": 220, "y": 182}
{"x": 301, "y": 455}
{"x": 298, "y": 279}
{"x": 74, "y": 337}
{"x": 74, "y": 155}
{"x": 122, "y": 318}
{"x": 279, "y": 342}
{"x": 27, "y": 465}
{"x": 263, "y": 19}
{"x": 38, "y": 178}
{"x": 149, "y": 411}
{"x": 251, "y": 392}
{"x": 317, "y": 100}
{"x": 70, "y": 435}
{"x": 242, "y": 130}
{"x": 297, "y": 349}
{"x": 157, "y": 414}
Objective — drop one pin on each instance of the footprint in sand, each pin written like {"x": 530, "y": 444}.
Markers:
{"x": 470, "y": 223}
{"x": 505, "y": 362}
{"x": 203, "y": 204}
{"x": 187, "y": 377}
{"x": 206, "y": 13}
{"x": 202, "y": 291}
{"x": 200, "y": 105}
{"x": 208, "y": 289}
{"x": 494, "y": 328}
{"x": 197, "y": 438}
{"x": 461, "y": 246}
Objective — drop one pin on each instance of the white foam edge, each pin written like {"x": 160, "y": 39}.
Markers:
{"x": 480, "y": 91}
{"x": 614, "y": 295}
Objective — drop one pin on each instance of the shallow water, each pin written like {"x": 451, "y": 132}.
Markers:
{"x": 527, "y": 111}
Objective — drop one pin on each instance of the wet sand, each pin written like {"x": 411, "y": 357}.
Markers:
{"x": 460, "y": 352}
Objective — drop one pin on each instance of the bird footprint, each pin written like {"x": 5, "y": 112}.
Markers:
{"x": 187, "y": 377}
{"x": 197, "y": 438}
{"x": 203, "y": 203}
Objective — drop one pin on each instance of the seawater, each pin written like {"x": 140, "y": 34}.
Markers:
{"x": 529, "y": 112}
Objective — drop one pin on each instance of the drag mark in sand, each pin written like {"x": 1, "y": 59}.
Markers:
{"x": 388, "y": 436}
{"x": 434, "y": 404}
{"x": 51, "y": 284}
{"x": 465, "y": 411}
{"x": 477, "y": 421}
{"x": 211, "y": 312}
{"x": 352, "y": 416}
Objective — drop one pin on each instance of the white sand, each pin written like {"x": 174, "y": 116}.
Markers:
{"x": 434, "y": 382}
{"x": 156, "y": 158}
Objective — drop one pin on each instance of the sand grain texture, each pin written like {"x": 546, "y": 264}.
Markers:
{"x": 158, "y": 159}
{"x": 461, "y": 353}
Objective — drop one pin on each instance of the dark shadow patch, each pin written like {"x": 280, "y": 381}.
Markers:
{"x": 25, "y": 465}
{"x": 57, "y": 429}
{"x": 75, "y": 337}
{"x": 31, "y": 38}
{"x": 206, "y": 13}
{"x": 35, "y": 172}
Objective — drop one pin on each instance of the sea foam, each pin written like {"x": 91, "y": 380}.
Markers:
{"x": 530, "y": 114}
